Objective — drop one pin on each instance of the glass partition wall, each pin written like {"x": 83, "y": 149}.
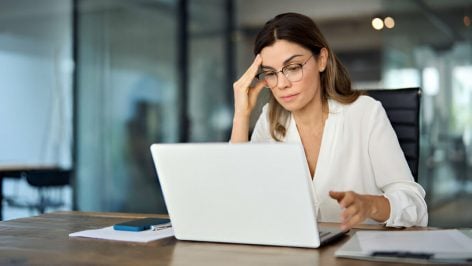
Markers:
{"x": 128, "y": 99}
{"x": 210, "y": 76}
{"x": 431, "y": 47}
{"x": 148, "y": 71}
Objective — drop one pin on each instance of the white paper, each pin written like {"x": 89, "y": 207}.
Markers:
{"x": 110, "y": 234}
{"x": 430, "y": 241}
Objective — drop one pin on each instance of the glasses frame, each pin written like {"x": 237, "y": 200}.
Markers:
{"x": 283, "y": 70}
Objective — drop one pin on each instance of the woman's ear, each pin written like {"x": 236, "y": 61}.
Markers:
{"x": 322, "y": 59}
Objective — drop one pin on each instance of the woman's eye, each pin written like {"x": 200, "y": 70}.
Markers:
{"x": 292, "y": 68}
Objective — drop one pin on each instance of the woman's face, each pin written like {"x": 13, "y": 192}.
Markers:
{"x": 296, "y": 94}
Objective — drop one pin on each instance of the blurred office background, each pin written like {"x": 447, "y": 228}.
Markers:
{"x": 88, "y": 85}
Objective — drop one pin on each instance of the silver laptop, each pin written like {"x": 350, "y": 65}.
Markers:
{"x": 239, "y": 193}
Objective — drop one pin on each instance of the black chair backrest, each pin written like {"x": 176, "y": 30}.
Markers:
{"x": 403, "y": 109}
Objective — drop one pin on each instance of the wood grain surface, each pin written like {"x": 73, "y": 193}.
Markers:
{"x": 44, "y": 240}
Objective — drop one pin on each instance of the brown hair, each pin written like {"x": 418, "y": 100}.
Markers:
{"x": 300, "y": 29}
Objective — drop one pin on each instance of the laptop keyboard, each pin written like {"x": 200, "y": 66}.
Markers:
{"x": 324, "y": 234}
{"x": 327, "y": 236}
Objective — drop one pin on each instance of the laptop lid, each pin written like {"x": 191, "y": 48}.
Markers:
{"x": 238, "y": 193}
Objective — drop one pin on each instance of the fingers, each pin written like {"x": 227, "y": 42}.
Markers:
{"x": 344, "y": 198}
{"x": 353, "y": 212}
{"x": 348, "y": 199}
{"x": 336, "y": 195}
{"x": 258, "y": 87}
{"x": 245, "y": 95}
{"x": 253, "y": 68}
{"x": 347, "y": 213}
{"x": 352, "y": 221}
{"x": 247, "y": 78}
{"x": 254, "y": 92}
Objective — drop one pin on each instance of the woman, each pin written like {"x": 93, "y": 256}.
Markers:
{"x": 358, "y": 169}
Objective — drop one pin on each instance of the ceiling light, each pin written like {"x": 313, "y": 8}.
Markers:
{"x": 389, "y": 22}
{"x": 377, "y": 23}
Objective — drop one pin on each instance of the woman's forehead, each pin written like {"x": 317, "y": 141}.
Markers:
{"x": 282, "y": 50}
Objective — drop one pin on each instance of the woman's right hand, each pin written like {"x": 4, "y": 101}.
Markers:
{"x": 245, "y": 97}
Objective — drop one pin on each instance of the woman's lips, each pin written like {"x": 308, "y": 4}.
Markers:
{"x": 289, "y": 97}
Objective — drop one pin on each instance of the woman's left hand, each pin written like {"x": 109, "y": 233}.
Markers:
{"x": 357, "y": 208}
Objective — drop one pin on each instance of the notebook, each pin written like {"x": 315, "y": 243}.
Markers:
{"x": 448, "y": 246}
{"x": 239, "y": 193}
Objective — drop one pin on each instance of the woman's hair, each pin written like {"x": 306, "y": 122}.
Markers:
{"x": 300, "y": 29}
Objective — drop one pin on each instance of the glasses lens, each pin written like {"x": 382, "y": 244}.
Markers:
{"x": 293, "y": 72}
{"x": 270, "y": 78}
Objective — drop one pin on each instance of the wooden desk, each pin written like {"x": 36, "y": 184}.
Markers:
{"x": 44, "y": 240}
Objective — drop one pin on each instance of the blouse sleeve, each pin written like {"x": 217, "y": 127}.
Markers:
{"x": 261, "y": 132}
{"x": 392, "y": 174}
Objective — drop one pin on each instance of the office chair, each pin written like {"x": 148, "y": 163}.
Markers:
{"x": 44, "y": 181}
{"x": 48, "y": 180}
{"x": 402, "y": 107}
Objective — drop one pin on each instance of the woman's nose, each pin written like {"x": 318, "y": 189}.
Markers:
{"x": 282, "y": 81}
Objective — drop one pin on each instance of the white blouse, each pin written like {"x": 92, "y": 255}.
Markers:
{"x": 359, "y": 152}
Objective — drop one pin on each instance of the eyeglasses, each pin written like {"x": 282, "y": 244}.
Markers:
{"x": 293, "y": 72}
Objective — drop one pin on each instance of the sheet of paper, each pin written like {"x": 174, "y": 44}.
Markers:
{"x": 431, "y": 241}
{"x": 110, "y": 234}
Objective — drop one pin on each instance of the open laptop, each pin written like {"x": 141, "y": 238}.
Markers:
{"x": 239, "y": 193}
